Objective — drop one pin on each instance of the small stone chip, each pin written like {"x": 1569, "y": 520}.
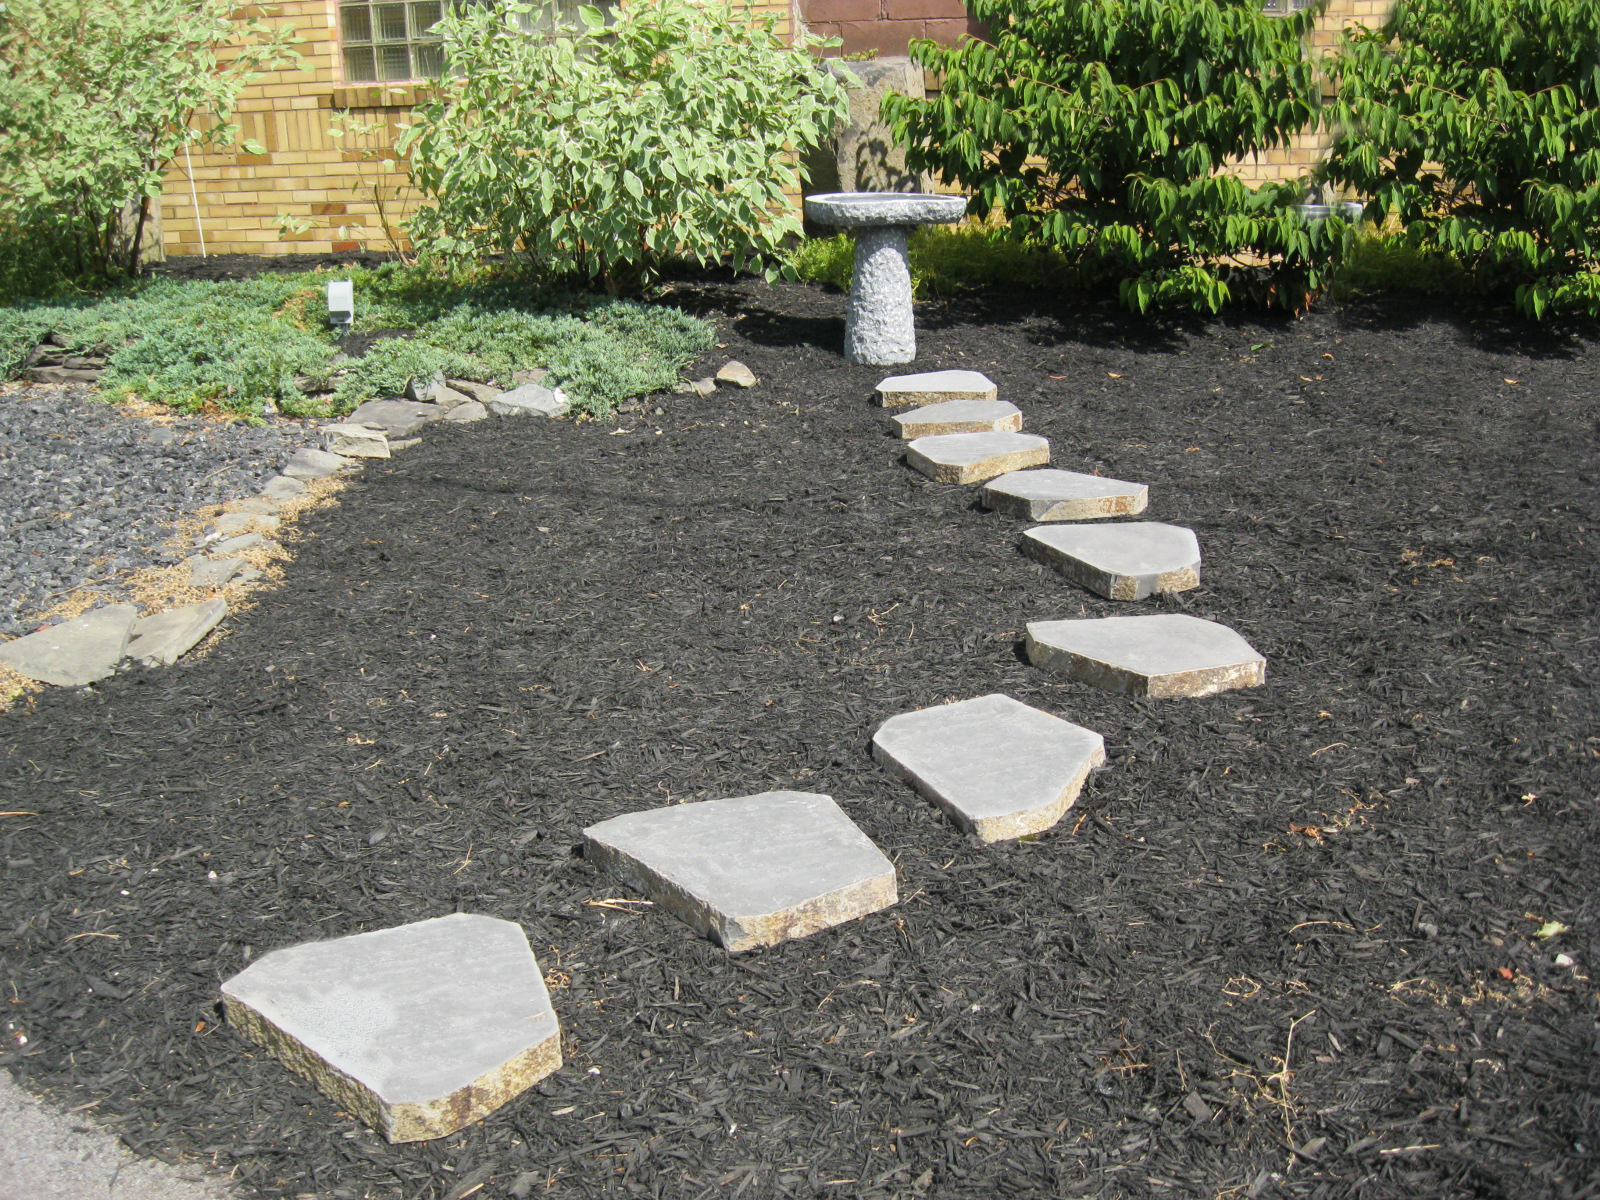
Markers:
{"x": 1051, "y": 495}
{"x": 1000, "y": 768}
{"x": 1161, "y": 656}
{"x": 737, "y": 374}
{"x": 935, "y": 387}
{"x": 417, "y": 1030}
{"x": 1126, "y": 561}
{"x": 974, "y": 457}
{"x": 750, "y": 870}
{"x": 959, "y": 416}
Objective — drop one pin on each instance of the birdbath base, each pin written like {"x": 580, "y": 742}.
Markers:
{"x": 878, "y": 329}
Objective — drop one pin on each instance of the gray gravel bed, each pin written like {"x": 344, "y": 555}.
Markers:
{"x": 88, "y": 493}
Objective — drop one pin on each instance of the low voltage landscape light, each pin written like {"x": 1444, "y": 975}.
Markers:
{"x": 341, "y": 303}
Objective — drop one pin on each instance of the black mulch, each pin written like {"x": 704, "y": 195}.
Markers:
{"x": 1285, "y": 945}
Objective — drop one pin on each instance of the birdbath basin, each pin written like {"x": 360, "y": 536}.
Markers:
{"x": 878, "y": 327}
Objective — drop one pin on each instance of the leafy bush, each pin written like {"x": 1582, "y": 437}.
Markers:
{"x": 946, "y": 260}
{"x": 1477, "y": 124}
{"x": 604, "y": 151}
{"x": 98, "y": 96}
{"x": 1098, "y": 129}
{"x": 1381, "y": 262}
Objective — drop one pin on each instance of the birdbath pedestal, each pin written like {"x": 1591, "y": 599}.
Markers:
{"x": 878, "y": 329}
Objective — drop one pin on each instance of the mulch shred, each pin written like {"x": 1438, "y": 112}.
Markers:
{"x": 1285, "y": 945}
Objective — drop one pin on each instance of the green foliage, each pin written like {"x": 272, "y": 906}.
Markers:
{"x": 98, "y": 96}
{"x": 602, "y": 152}
{"x": 1098, "y": 129}
{"x": 1381, "y": 262}
{"x": 1477, "y": 124}
{"x": 946, "y": 259}
{"x": 238, "y": 346}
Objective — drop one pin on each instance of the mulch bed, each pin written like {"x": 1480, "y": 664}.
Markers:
{"x": 1285, "y": 945}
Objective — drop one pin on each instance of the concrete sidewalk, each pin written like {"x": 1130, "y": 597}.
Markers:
{"x": 46, "y": 1154}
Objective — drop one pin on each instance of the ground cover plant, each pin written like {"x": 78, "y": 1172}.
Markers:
{"x": 1097, "y": 130}
{"x": 660, "y": 131}
{"x": 99, "y": 97}
{"x": 240, "y": 346}
{"x": 1476, "y": 125}
{"x": 1335, "y": 936}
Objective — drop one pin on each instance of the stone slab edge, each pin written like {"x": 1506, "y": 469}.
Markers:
{"x": 999, "y": 464}
{"x": 1203, "y": 681}
{"x": 1108, "y": 583}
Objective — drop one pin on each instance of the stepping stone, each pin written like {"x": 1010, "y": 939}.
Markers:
{"x": 1161, "y": 656}
{"x": 310, "y": 463}
{"x": 396, "y": 418}
{"x": 76, "y": 652}
{"x": 1126, "y": 561}
{"x": 751, "y": 870}
{"x": 465, "y": 414}
{"x": 214, "y": 572}
{"x": 239, "y": 544}
{"x": 447, "y": 397}
{"x": 473, "y": 390}
{"x": 161, "y": 640}
{"x": 736, "y": 374}
{"x": 261, "y": 505}
{"x": 1000, "y": 768}
{"x": 247, "y": 522}
{"x": 354, "y": 441}
{"x": 530, "y": 400}
{"x": 283, "y": 487}
{"x": 417, "y": 1030}
{"x": 959, "y": 416}
{"x": 935, "y": 387}
{"x": 974, "y": 457}
{"x": 1051, "y": 495}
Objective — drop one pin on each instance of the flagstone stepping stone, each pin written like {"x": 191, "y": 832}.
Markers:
{"x": 283, "y": 487}
{"x": 1126, "y": 561}
{"x": 1000, "y": 768}
{"x": 935, "y": 387}
{"x": 959, "y": 416}
{"x": 1051, "y": 495}
{"x": 260, "y": 505}
{"x": 417, "y": 1030}
{"x": 974, "y": 457}
{"x": 230, "y": 524}
{"x": 750, "y": 870}
{"x": 214, "y": 572}
{"x": 530, "y": 400}
{"x": 465, "y": 414}
{"x": 310, "y": 463}
{"x": 76, "y": 652}
{"x": 473, "y": 390}
{"x": 239, "y": 544}
{"x": 354, "y": 441}
{"x": 396, "y": 418}
{"x": 1161, "y": 656}
{"x": 163, "y": 639}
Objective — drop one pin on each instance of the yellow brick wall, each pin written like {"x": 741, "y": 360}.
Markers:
{"x": 305, "y": 173}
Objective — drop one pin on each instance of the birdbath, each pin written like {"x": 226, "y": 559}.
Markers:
{"x": 877, "y": 327}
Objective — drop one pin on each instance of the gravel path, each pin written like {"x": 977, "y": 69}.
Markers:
{"x": 90, "y": 492}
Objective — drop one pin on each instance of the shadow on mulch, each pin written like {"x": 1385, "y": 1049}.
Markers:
{"x": 1287, "y": 944}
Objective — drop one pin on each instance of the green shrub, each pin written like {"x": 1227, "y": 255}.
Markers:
{"x": 1381, "y": 262}
{"x": 946, "y": 260}
{"x": 605, "y": 151}
{"x": 390, "y": 364}
{"x": 98, "y": 97}
{"x": 1477, "y": 124}
{"x": 1098, "y": 129}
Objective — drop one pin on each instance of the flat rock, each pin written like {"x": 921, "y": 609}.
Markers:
{"x": 1051, "y": 495}
{"x": 959, "y": 416}
{"x": 1161, "y": 656}
{"x": 473, "y": 390}
{"x": 530, "y": 400}
{"x": 247, "y": 522}
{"x": 76, "y": 652}
{"x": 260, "y": 505}
{"x": 354, "y": 441}
{"x": 422, "y": 390}
{"x": 283, "y": 487}
{"x": 239, "y": 544}
{"x": 1000, "y": 768}
{"x": 736, "y": 374}
{"x": 396, "y": 418}
{"x": 417, "y": 1030}
{"x": 751, "y": 870}
{"x": 465, "y": 414}
{"x": 447, "y": 397}
{"x": 974, "y": 457}
{"x": 703, "y": 387}
{"x": 1126, "y": 561}
{"x": 310, "y": 463}
{"x": 214, "y": 572}
{"x": 935, "y": 387}
{"x": 163, "y": 639}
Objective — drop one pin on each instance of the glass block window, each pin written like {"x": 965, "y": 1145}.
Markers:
{"x": 390, "y": 42}
{"x": 1284, "y": 8}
